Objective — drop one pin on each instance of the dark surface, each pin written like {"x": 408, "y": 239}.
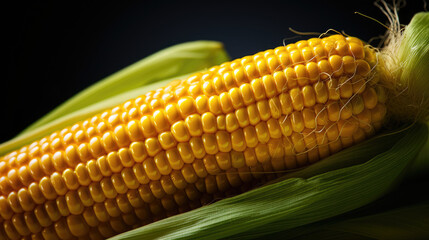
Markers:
{"x": 53, "y": 51}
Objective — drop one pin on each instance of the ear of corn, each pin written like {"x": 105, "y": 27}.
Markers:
{"x": 202, "y": 139}
{"x": 196, "y": 140}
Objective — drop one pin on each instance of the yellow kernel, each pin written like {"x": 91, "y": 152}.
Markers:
{"x": 237, "y": 161}
{"x": 225, "y": 102}
{"x": 346, "y": 110}
{"x": 218, "y": 84}
{"x": 275, "y": 107}
{"x": 161, "y": 163}
{"x": 309, "y": 96}
{"x": 58, "y": 183}
{"x": 262, "y": 132}
{"x": 309, "y": 118}
{"x": 121, "y": 136}
{"x": 240, "y": 76}
{"x": 166, "y": 140}
{"x": 208, "y": 88}
{"x": 321, "y": 114}
{"x": 251, "y": 71}
{"x": 286, "y": 103}
{"x": 223, "y": 160}
{"x": 337, "y": 65}
{"x": 172, "y": 113}
{"x": 228, "y": 79}
{"x": 193, "y": 123}
{"x": 160, "y": 121}
{"x": 302, "y": 75}
{"x": 333, "y": 89}
{"x": 269, "y": 85}
{"x": 185, "y": 152}
{"x": 264, "y": 110}
{"x": 189, "y": 174}
{"x": 313, "y": 71}
{"x": 250, "y": 157}
{"x": 151, "y": 169}
{"x": 208, "y": 121}
{"x": 297, "y": 122}
{"x": 324, "y": 69}
{"x": 140, "y": 174}
{"x": 236, "y": 98}
{"x": 262, "y": 67}
{"x": 296, "y": 56}
{"x": 285, "y": 59}
{"x": 370, "y": 98}
{"x": 262, "y": 153}
{"x": 198, "y": 145}
{"x": 274, "y": 128}
{"x": 298, "y": 143}
{"x": 135, "y": 131}
{"x": 186, "y": 106}
{"x": 346, "y": 88}
{"x": 242, "y": 117}
{"x": 247, "y": 94}
{"x": 250, "y": 136}
{"x": 297, "y": 99}
{"x": 148, "y": 126}
{"x": 320, "y": 52}
{"x": 286, "y": 125}
{"x": 291, "y": 78}
{"x": 180, "y": 131}
{"x": 307, "y": 54}
{"x": 273, "y": 64}
{"x": 152, "y": 146}
{"x": 199, "y": 168}
{"x": 356, "y": 50}
{"x": 223, "y": 141}
{"x": 347, "y": 127}
{"x": 258, "y": 89}
{"x": 137, "y": 150}
{"x": 202, "y": 104}
{"x": 214, "y": 105}
{"x": 253, "y": 113}
{"x": 210, "y": 144}
{"x": 237, "y": 140}
{"x": 362, "y": 68}
{"x": 70, "y": 179}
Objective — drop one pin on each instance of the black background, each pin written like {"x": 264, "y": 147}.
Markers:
{"x": 53, "y": 50}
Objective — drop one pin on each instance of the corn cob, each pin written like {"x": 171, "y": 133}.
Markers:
{"x": 212, "y": 135}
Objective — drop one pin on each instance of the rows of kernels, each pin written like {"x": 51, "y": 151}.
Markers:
{"x": 181, "y": 146}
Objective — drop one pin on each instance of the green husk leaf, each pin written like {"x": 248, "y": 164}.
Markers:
{"x": 420, "y": 167}
{"x": 174, "y": 61}
{"x": 413, "y": 56}
{"x": 400, "y": 214}
{"x": 409, "y": 222}
{"x": 299, "y": 200}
